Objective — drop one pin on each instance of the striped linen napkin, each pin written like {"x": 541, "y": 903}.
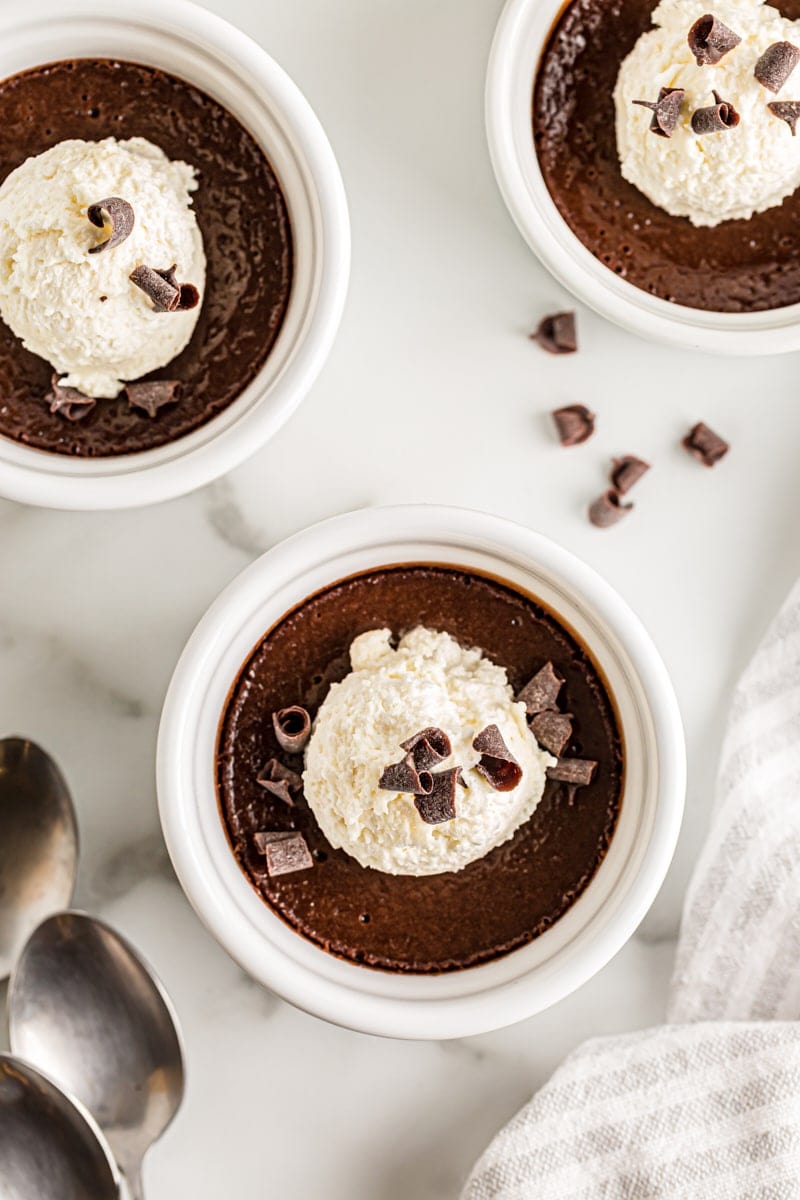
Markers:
{"x": 708, "y": 1105}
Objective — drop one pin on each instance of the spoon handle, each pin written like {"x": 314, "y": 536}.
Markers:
{"x": 133, "y": 1184}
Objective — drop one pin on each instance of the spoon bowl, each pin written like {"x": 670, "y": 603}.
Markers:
{"x": 49, "y": 1148}
{"x": 83, "y": 1006}
{"x": 38, "y": 844}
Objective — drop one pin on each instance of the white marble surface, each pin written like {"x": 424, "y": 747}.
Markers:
{"x": 432, "y": 357}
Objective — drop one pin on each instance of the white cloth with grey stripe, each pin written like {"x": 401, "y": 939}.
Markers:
{"x": 708, "y": 1105}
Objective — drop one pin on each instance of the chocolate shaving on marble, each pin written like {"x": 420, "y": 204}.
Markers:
{"x": 717, "y": 118}
{"x": 153, "y": 395}
{"x": 666, "y": 110}
{"x": 540, "y": 693}
{"x": 608, "y": 509}
{"x": 788, "y": 111}
{"x": 163, "y": 289}
{"x": 552, "y": 730}
{"x": 428, "y": 748}
{"x": 556, "y": 333}
{"x": 286, "y": 855}
{"x": 497, "y": 764}
{"x": 440, "y": 805}
{"x": 709, "y": 40}
{"x": 280, "y": 781}
{"x": 626, "y": 472}
{"x": 68, "y": 402}
{"x": 776, "y": 65}
{"x": 577, "y": 771}
{"x": 264, "y": 838}
{"x": 403, "y": 776}
{"x": 120, "y": 217}
{"x": 292, "y": 727}
{"x": 574, "y": 424}
{"x": 705, "y": 445}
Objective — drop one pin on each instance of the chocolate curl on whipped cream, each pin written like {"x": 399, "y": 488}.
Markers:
{"x": 709, "y": 40}
{"x": 428, "y": 748}
{"x": 162, "y": 288}
{"x": 292, "y": 727}
{"x": 120, "y": 217}
{"x": 152, "y": 396}
{"x": 556, "y": 333}
{"x": 540, "y": 693}
{"x": 403, "y": 776}
{"x": 440, "y": 805}
{"x": 788, "y": 111}
{"x": 717, "y": 118}
{"x": 68, "y": 402}
{"x": 776, "y": 65}
{"x": 666, "y": 110}
{"x": 497, "y": 764}
{"x": 279, "y": 781}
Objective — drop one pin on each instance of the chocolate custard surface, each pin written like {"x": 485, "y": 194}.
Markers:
{"x": 242, "y": 216}
{"x": 739, "y": 266}
{"x": 441, "y": 922}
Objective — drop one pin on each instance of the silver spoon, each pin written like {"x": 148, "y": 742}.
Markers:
{"x": 85, "y": 1008}
{"x": 49, "y": 1149}
{"x": 38, "y": 844}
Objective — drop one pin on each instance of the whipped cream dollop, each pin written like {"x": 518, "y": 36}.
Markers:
{"x": 81, "y": 311}
{"x": 390, "y": 695}
{"x": 718, "y": 176}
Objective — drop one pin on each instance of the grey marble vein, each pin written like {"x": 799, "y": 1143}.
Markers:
{"x": 129, "y": 866}
{"x": 227, "y": 518}
{"x": 118, "y": 701}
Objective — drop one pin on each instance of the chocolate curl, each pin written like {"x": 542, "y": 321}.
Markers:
{"x": 577, "y": 771}
{"x": 153, "y": 395}
{"x": 292, "y": 728}
{"x": 705, "y": 445}
{"x": 717, "y": 118}
{"x": 541, "y": 692}
{"x": 403, "y": 776}
{"x": 163, "y": 290}
{"x": 666, "y": 111}
{"x": 279, "y": 781}
{"x": 574, "y": 424}
{"x": 556, "y": 333}
{"x": 286, "y": 855}
{"x": 428, "y": 748}
{"x": 626, "y": 472}
{"x": 68, "y": 402}
{"x": 188, "y": 295}
{"x": 497, "y": 764}
{"x": 709, "y": 40}
{"x": 776, "y": 65}
{"x": 608, "y": 510}
{"x": 440, "y": 805}
{"x": 788, "y": 111}
{"x": 120, "y": 217}
{"x": 552, "y": 731}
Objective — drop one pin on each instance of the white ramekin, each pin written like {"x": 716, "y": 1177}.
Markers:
{"x": 521, "y": 37}
{"x": 193, "y": 43}
{"x": 481, "y": 998}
